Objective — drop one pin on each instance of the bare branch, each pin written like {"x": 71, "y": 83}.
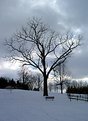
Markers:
{"x": 36, "y": 42}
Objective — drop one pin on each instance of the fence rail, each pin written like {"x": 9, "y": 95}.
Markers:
{"x": 82, "y": 97}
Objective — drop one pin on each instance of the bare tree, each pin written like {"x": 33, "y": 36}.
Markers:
{"x": 23, "y": 74}
{"x": 27, "y": 77}
{"x": 39, "y": 81}
{"x": 61, "y": 76}
{"x": 39, "y": 46}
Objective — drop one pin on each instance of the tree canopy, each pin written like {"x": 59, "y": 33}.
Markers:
{"x": 38, "y": 45}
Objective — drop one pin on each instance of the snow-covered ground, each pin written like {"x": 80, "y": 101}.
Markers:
{"x": 21, "y": 105}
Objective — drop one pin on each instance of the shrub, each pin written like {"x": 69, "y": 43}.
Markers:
{"x": 78, "y": 90}
{"x": 3, "y": 82}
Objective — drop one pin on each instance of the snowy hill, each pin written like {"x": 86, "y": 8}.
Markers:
{"x": 20, "y": 105}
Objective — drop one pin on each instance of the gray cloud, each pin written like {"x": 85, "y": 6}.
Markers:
{"x": 78, "y": 65}
{"x": 58, "y": 14}
{"x": 75, "y": 11}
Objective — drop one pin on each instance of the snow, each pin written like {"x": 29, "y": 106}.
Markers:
{"x": 19, "y": 105}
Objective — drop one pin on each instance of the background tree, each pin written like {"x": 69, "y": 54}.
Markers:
{"x": 3, "y": 82}
{"x": 39, "y": 46}
{"x": 27, "y": 77}
{"x": 78, "y": 87}
{"x": 38, "y": 82}
{"x": 24, "y": 74}
{"x": 61, "y": 76}
{"x": 33, "y": 80}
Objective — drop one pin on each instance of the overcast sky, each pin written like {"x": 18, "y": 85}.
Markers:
{"x": 59, "y": 14}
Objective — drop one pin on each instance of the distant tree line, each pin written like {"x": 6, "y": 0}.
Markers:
{"x": 78, "y": 87}
{"x": 6, "y": 83}
{"x": 34, "y": 81}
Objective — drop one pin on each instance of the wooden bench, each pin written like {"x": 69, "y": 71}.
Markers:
{"x": 49, "y": 97}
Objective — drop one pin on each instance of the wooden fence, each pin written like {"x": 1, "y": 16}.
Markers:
{"x": 82, "y": 97}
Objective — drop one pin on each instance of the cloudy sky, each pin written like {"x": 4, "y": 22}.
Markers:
{"x": 59, "y": 14}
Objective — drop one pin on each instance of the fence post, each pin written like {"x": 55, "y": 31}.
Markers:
{"x": 69, "y": 96}
{"x": 77, "y": 97}
{"x": 87, "y": 97}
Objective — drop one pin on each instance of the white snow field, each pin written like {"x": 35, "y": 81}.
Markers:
{"x": 20, "y": 105}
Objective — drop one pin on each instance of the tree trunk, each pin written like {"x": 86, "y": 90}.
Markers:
{"x": 61, "y": 88}
{"x": 45, "y": 88}
{"x": 61, "y": 85}
{"x": 23, "y": 78}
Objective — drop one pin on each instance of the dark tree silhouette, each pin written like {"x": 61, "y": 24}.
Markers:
{"x": 39, "y": 46}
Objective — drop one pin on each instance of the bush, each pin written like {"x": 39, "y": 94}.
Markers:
{"x": 78, "y": 90}
{"x": 3, "y": 82}
{"x": 36, "y": 89}
{"x": 22, "y": 86}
